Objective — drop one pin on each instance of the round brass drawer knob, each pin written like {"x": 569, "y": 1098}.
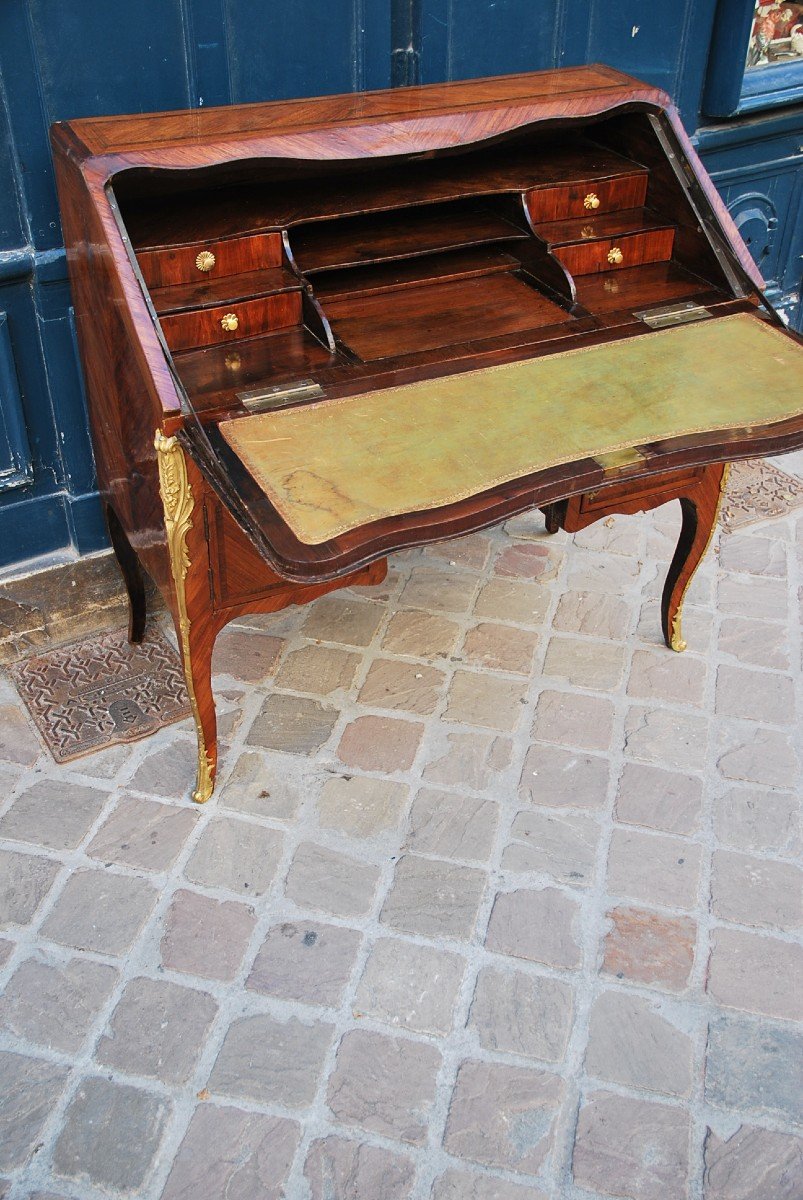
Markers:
{"x": 591, "y": 200}
{"x": 615, "y": 256}
{"x": 205, "y": 261}
{"x": 230, "y": 322}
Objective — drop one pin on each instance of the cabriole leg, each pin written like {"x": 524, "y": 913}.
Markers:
{"x": 132, "y": 576}
{"x": 700, "y": 512}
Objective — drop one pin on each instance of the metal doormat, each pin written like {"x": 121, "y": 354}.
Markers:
{"x": 758, "y": 491}
{"x": 102, "y": 691}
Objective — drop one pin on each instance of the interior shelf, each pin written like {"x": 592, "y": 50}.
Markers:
{"x": 412, "y": 319}
{"x": 452, "y": 264}
{"x": 633, "y": 288}
{"x": 609, "y": 225}
{"x": 400, "y": 234}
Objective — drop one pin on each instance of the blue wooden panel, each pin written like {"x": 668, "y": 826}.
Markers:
{"x": 306, "y": 48}
{"x": 463, "y": 39}
{"x": 16, "y": 467}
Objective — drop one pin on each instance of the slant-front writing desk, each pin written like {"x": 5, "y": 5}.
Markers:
{"x": 317, "y": 331}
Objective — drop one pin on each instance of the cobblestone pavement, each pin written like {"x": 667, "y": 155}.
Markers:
{"x": 497, "y": 898}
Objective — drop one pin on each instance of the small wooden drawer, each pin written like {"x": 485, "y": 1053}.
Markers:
{"x": 231, "y": 322}
{"x": 611, "y": 254}
{"x": 653, "y": 490}
{"x": 209, "y": 260}
{"x": 593, "y": 196}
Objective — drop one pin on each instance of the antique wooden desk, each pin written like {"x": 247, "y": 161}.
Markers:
{"x": 317, "y": 331}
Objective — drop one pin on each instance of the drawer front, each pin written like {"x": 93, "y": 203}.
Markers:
{"x": 208, "y": 260}
{"x": 585, "y": 199}
{"x": 615, "y": 254}
{"x": 667, "y": 485}
{"x": 231, "y": 322}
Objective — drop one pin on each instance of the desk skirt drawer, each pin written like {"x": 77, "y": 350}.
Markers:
{"x": 209, "y": 260}
{"x": 668, "y": 485}
{"x": 617, "y": 253}
{"x": 231, "y": 322}
{"x": 587, "y": 198}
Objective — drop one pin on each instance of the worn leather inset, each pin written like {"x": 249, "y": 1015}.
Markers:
{"x": 335, "y": 465}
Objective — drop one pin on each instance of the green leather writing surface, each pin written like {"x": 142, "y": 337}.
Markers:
{"x": 338, "y": 464}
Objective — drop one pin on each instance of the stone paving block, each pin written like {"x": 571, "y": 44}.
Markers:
{"x": 522, "y": 1013}
{"x": 306, "y": 961}
{"x": 25, "y": 880}
{"x": 143, "y": 833}
{"x": 756, "y": 974}
{"x": 753, "y": 555}
{"x": 384, "y": 1084}
{"x": 30, "y": 1088}
{"x": 469, "y": 551}
{"x": 503, "y": 1116}
{"x": 665, "y": 737}
{"x": 41, "y": 994}
{"x": 512, "y": 600}
{"x": 486, "y": 700}
{"x": 100, "y": 911}
{"x": 527, "y": 561}
{"x": 271, "y": 1061}
{"x": 466, "y": 1185}
{"x": 582, "y": 721}
{"x": 411, "y": 987}
{"x": 659, "y": 799}
{"x": 347, "y": 620}
{"x": 319, "y": 670}
{"x": 334, "y": 882}
{"x": 560, "y": 844}
{"x": 474, "y": 760}
{"x": 384, "y": 744}
{"x": 500, "y": 648}
{"x": 598, "y": 571}
{"x": 633, "y": 1043}
{"x": 168, "y": 771}
{"x": 755, "y": 695}
{"x": 755, "y": 643}
{"x": 157, "y": 1029}
{"x": 52, "y": 813}
{"x": 234, "y": 1154}
{"x": 402, "y": 686}
{"x": 362, "y": 806}
{"x": 635, "y": 1148}
{"x": 421, "y": 635}
{"x": 654, "y": 868}
{"x": 762, "y": 821}
{"x": 615, "y": 535}
{"x": 698, "y": 626}
{"x": 595, "y": 665}
{"x": 656, "y": 675}
{"x": 237, "y": 855}
{"x": 753, "y": 1162}
{"x": 435, "y": 899}
{"x": 340, "y": 1169}
{"x": 261, "y": 787}
{"x": 294, "y": 724}
{"x": 593, "y": 614}
{"x": 755, "y": 755}
{"x": 555, "y": 777}
{"x": 6, "y": 950}
{"x": 18, "y": 742}
{"x": 765, "y": 598}
{"x": 111, "y": 1135}
{"x": 452, "y": 826}
{"x": 206, "y": 937}
{"x": 648, "y": 947}
{"x": 542, "y": 926}
{"x": 246, "y": 655}
{"x": 437, "y": 590}
{"x": 756, "y": 891}
{"x": 755, "y": 1066}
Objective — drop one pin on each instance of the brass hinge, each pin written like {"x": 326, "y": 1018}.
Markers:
{"x": 673, "y": 314}
{"x": 263, "y": 399}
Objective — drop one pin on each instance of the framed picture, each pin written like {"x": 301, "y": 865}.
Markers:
{"x": 756, "y": 59}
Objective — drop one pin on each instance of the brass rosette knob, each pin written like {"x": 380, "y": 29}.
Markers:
{"x": 591, "y": 201}
{"x": 230, "y": 322}
{"x": 615, "y": 256}
{"x": 205, "y": 261}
